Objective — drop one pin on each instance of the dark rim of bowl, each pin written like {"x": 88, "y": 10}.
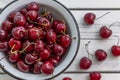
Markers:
{"x": 78, "y": 45}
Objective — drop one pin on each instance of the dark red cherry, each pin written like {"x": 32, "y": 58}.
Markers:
{"x": 89, "y": 18}
{"x": 55, "y": 60}
{"x": 30, "y": 58}
{"x": 51, "y": 37}
{"x": 45, "y": 54}
{"x": 65, "y": 41}
{"x": 28, "y": 26}
{"x": 39, "y": 45}
{"x": 47, "y": 68}
{"x": 4, "y": 46}
{"x": 32, "y": 15}
{"x": 105, "y": 32}
{"x": 33, "y": 6}
{"x": 85, "y": 63}
{"x": 14, "y": 44}
{"x": 22, "y": 66}
{"x": 115, "y": 50}
{"x": 58, "y": 50}
{"x": 14, "y": 57}
{"x": 12, "y": 14}
{"x": 100, "y": 55}
{"x": 30, "y": 47}
{"x": 95, "y": 76}
{"x": 67, "y": 78}
{"x": 19, "y": 20}
{"x": 7, "y": 26}
{"x": 23, "y": 11}
{"x": 37, "y": 67}
{"x": 3, "y": 35}
{"x": 19, "y": 32}
{"x": 55, "y": 22}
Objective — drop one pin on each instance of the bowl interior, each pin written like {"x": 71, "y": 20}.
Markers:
{"x": 59, "y": 12}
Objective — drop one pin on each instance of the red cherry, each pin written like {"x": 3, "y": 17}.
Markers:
{"x": 32, "y": 15}
{"x": 39, "y": 45}
{"x": 89, "y": 18}
{"x": 15, "y": 44}
{"x": 55, "y": 60}
{"x": 3, "y": 35}
{"x": 65, "y": 41}
{"x": 58, "y": 50}
{"x": 30, "y": 58}
{"x": 7, "y": 26}
{"x": 22, "y": 66}
{"x": 105, "y": 32}
{"x": 28, "y": 26}
{"x": 19, "y": 32}
{"x": 85, "y": 63}
{"x": 95, "y": 76}
{"x": 100, "y": 55}
{"x": 67, "y": 78}
{"x": 33, "y": 6}
{"x": 115, "y": 50}
{"x": 12, "y": 14}
{"x": 19, "y": 19}
{"x": 45, "y": 54}
{"x": 4, "y": 46}
{"x": 47, "y": 68}
{"x": 55, "y": 22}
{"x": 14, "y": 57}
{"x": 37, "y": 67}
{"x": 23, "y": 11}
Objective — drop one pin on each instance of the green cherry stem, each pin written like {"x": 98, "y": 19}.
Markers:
{"x": 102, "y": 15}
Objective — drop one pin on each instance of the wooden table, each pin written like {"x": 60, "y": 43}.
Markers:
{"x": 110, "y": 68}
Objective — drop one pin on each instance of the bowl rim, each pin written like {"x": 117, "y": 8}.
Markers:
{"x": 78, "y": 45}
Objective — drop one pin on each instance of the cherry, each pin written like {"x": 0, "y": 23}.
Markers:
{"x": 19, "y": 19}
{"x": 12, "y": 14}
{"x": 85, "y": 63}
{"x": 67, "y": 78}
{"x": 34, "y": 33}
{"x": 100, "y": 55}
{"x": 45, "y": 54}
{"x": 32, "y": 15}
{"x": 28, "y": 46}
{"x": 14, "y": 44}
{"x": 22, "y": 66}
{"x": 7, "y": 26}
{"x": 37, "y": 67}
{"x": 55, "y": 60}
{"x": 95, "y": 76}
{"x": 4, "y": 46}
{"x": 55, "y": 22}
{"x": 47, "y": 68}
{"x": 58, "y": 50}
{"x": 3, "y": 35}
{"x": 19, "y": 32}
{"x": 23, "y": 11}
{"x": 14, "y": 57}
{"x": 51, "y": 37}
{"x": 115, "y": 49}
{"x": 65, "y": 40}
{"x": 89, "y": 18}
{"x": 33, "y": 6}
{"x": 30, "y": 58}
{"x": 28, "y": 25}
{"x": 44, "y": 22}
{"x": 39, "y": 45}
{"x": 105, "y": 32}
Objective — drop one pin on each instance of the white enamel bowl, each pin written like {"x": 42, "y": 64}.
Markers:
{"x": 62, "y": 13}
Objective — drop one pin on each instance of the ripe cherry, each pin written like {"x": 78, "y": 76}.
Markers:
{"x": 37, "y": 67}
{"x": 55, "y": 60}
{"x": 14, "y": 44}
{"x": 23, "y": 11}
{"x": 32, "y": 15}
{"x": 28, "y": 25}
{"x": 100, "y": 55}
{"x": 4, "y": 46}
{"x": 33, "y": 6}
{"x": 19, "y": 32}
{"x": 3, "y": 35}
{"x": 14, "y": 57}
{"x": 39, "y": 45}
{"x": 7, "y": 26}
{"x": 45, "y": 54}
{"x": 67, "y": 78}
{"x": 12, "y": 14}
{"x": 47, "y": 68}
{"x": 95, "y": 76}
{"x": 22, "y": 66}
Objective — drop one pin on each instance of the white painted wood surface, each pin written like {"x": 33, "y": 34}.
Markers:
{"x": 110, "y": 68}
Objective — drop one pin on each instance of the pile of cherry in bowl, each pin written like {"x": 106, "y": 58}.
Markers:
{"x": 33, "y": 40}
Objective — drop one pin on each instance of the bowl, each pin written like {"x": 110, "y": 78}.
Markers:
{"x": 62, "y": 13}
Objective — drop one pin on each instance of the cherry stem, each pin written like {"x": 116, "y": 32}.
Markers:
{"x": 102, "y": 15}
{"x": 32, "y": 21}
{"x": 12, "y": 49}
{"x": 87, "y": 49}
{"x": 117, "y": 38}
{"x": 113, "y": 24}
